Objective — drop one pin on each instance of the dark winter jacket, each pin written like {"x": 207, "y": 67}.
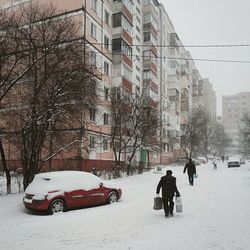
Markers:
{"x": 168, "y": 185}
{"x": 190, "y": 168}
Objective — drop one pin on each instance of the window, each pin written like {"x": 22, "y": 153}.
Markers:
{"x": 106, "y": 93}
{"x": 106, "y": 68}
{"x": 94, "y": 5}
{"x": 92, "y": 141}
{"x": 105, "y": 144}
{"x": 107, "y": 17}
{"x": 92, "y": 113}
{"x": 146, "y": 36}
{"x": 93, "y": 58}
{"x": 105, "y": 119}
{"x": 147, "y": 74}
{"x": 117, "y": 20}
{"x": 93, "y": 30}
{"x": 127, "y": 73}
{"x": 106, "y": 42}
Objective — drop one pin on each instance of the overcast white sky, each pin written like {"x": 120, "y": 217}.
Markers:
{"x": 210, "y": 22}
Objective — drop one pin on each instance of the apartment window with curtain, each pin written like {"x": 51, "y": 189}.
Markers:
{"x": 106, "y": 93}
{"x": 146, "y": 36}
{"x": 92, "y": 114}
{"x": 93, "y": 58}
{"x": 93, "y": 30}
{"x": 106, "y": 68}
{"x": 92, "y": 141}
{"x": 106, "y": 42}
{"x": 107, "y": 18}
{"x": 105, "y": 119}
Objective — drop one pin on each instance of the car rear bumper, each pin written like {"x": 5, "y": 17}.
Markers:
{"x": 233, "y": 165}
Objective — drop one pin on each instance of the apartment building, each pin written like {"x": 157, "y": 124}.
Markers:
{"x": 209, "y": 98}
{"x": 134, "y": 48}
{"x": 95, "y": 20}
{"x": 233, "y": 108}
{"x": 197, "y": 91}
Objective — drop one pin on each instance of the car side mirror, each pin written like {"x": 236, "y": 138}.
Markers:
{"x": 100, "y": 184}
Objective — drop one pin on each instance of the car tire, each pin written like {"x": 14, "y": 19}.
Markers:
{"x": 56, "y": 206}
{"x": 112, "y": 197}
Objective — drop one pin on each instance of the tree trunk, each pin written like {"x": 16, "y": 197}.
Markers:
{"x": 5, "y": 168}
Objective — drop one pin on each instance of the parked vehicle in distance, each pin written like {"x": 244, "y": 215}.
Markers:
{"x": 233, "y": 161}
{"x": 202, "y": 159}
{"x": 158, "y": 170}
{"x": 59, "y": 191}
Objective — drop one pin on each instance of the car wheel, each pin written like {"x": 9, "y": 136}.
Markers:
{"x": 112, "y": 197}
{"x": 56, "y": 206}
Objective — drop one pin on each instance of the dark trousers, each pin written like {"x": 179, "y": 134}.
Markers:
{"x": 191, "y": 179}
{"x": 168, "y": 204}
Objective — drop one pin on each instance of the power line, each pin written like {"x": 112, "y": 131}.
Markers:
{"x": 177, "y": 58}
{"x": 184, "y": 46}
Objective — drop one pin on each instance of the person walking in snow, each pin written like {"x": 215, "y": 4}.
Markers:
{"x": 215, "y": 162}
{"x": 191, "y": 170}
{"x": 168, "y": 185}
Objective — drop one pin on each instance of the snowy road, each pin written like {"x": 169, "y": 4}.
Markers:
{"x": 216, "y": 216}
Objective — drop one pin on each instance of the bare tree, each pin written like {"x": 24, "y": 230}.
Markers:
{"x": 134, "y": 125}
{"x": 192, "y": 132}
{"x": 58, "y": 86}
{"x": 207, "y": 133}
{"x": 245, "y": 133}
{"x": 221, "y": 140}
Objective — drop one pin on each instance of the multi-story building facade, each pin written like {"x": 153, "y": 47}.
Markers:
{"x": 197, "y": 90}
{"x": 233, "y": 108}
{"x": 135, "y": 49}
{"x": 209, "y": 98}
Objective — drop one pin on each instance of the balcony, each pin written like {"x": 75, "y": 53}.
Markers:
{"x": 174, "y": 40}
{"x": 127, "y": 84}
{"x": 173, "y": 136}
{"x": 119, "y": 58}
{"x": 173, "y": 95}
{"x": 149, "y": 83}
{"x": 184, "y": 106}
{"x": 184, "y": 94}
{"x": 119, "y": 6}
{"x": 151, "y": 28}
{"x": 184, "y": 71}
{"x": 120, "y": 32}
{"x": 149, "y": 64}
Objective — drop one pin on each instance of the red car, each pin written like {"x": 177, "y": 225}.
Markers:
{"x": 54, "y": 192}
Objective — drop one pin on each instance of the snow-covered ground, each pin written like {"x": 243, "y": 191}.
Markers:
{"x": 216, "y": 215}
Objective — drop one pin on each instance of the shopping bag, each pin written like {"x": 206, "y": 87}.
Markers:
{"x": 157, "y": 203}
{"x": 195, "y": 176}
{"x": 178, "y": 204}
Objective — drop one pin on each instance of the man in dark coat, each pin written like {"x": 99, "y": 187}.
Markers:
{"x": 191, "y": 170}
{"x": 168, "y": 185}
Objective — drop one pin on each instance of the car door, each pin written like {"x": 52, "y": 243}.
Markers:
{"x": 97, "y": 196}
{"x": 77, "y": 198}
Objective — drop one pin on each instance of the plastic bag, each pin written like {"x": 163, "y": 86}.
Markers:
{"x": 195, "y": 176}
{"x": 178, "y": 204}
{"x": 157, "y": 203}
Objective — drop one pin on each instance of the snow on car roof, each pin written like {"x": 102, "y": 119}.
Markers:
{"x": 233, "y": 158}
{"x": 63, "y": 180}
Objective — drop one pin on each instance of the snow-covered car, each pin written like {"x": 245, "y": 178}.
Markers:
{"x": 202, "y": 159}
{"x": 233, "y": 161}
{"x": 158, "y": 170}
{"x": 59, "y": 191}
